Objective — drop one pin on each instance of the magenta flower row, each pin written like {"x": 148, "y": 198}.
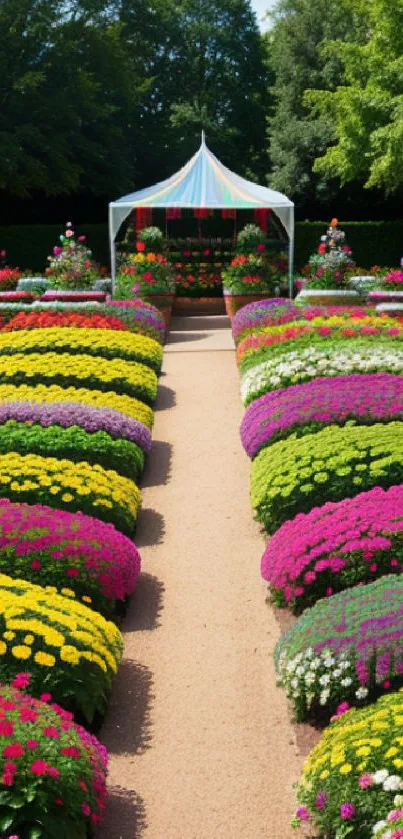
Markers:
{"x": 368, "y": 398}
{"x": 335, "y": 546}
{"x": 79, "y": 543}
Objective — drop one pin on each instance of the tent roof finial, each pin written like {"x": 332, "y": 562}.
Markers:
{"x": 203, "y": 138}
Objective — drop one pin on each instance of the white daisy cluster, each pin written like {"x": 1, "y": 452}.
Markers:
{"x": 318, "y": 677}
{"x": 297, "y": 366}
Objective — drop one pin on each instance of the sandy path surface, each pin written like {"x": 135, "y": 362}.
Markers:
{"x": 200, "y": 738}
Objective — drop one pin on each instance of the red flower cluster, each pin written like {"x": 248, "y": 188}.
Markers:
{"x": 34, "y": 320}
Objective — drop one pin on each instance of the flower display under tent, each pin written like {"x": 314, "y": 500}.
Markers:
{"x": 204, "y": 184}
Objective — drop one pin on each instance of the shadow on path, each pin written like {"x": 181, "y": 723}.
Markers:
{"x": 166, "y": 398}
{"x": 125, "y": 816}
{"x": 158, "y": 467}
{"x": 146, "y": 605}
{"x": 127, "y": 729}
{"x": 150, "y": 528}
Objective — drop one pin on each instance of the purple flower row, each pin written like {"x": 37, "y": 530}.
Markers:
{"x": 89, "y": 418}
{"x": 274, "y": 310}
{"x": 369, "y": 398}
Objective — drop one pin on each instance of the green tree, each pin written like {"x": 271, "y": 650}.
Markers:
{"x": 367, "y": 109}
{"x": 63, "y": 89}
{"x": 297, "y": 135}
{"x": 205, "y": 63}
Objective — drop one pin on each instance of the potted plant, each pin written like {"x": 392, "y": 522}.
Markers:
{"x": 148, "y": 274}
{"x": 328, "y": 270}
{"x": 248, "y": 277}
{"x": 71, "y": 271}
{"x": 389, "y": 289}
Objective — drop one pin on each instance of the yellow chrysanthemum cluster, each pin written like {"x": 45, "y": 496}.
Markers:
{"x": 71, "y": 485}
{"x": 127, "y": 405}
{"x": 100, "y": 342}
{"x": 360, "y": 741}
{"x": 130, "y": 377}
{"x": 46, "y": 628}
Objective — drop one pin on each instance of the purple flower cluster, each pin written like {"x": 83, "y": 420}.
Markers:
{"x": 270, "y": 312}
{"x": 67, "y": 414}
{"x": 368, "y": 398}
{"x": 55, "y": 547}
{"x": 335, "y": 546}
{"x": 138, "y": 316}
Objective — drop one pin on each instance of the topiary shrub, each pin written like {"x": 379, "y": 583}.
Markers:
{"x": 346, "y": 648}
{"x": 334, "y": 547}
{"x": 55, "y": 548}
{"x": 53, "y": 772}
{"x": 353, "y": 774}
{"x": 69, "y": 650}
{"x": 295, "y": 475}
{"x": 303, "y": 409}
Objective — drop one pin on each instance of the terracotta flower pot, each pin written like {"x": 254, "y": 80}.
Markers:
{"x": 234, "y": 302}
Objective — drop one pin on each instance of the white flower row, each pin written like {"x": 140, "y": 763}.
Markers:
{"x": 297, "y": 366}
{"x": 310, "y": 677}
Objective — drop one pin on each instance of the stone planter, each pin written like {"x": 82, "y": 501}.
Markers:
{"x": 381, "y": 296}
{"x": 198, "y": 306}
{"x": 234, "y": 302}
{"x": 328, "y": 297}
{"x": 74, "y": 296}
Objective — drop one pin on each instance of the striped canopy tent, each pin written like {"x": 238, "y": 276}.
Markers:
{"x": 204, "y": 183}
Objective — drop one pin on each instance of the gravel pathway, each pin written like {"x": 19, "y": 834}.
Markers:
{"x": 200, "y": 738}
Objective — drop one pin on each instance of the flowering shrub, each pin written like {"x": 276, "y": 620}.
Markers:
{"x": 246, "y": 274}
{"x": 254, "y": 316}
{"x": 392, "y": 826}
{"x": 329, "y": 266}
{"x": 393, "y": 280}
{"x": 127, "y": 377}
{"x": 129, "y": 407}
{"x": 295, "y": 475}
{"x": 92, "y": 420}
{"x": 53, "y": 772}
{"x": 145, "y": 273}
{"x": 293, "y": 367}
{"x": 333, "y": 332}
{"x": 51, "y": 319}
{"x": 335, "y": 546}
{"x": 103, "y": 343}
{"x": 344, "y": 649}
{"x": 72, "y": 486}
{"x": 251, "y": 239}
{"x": 9, "y": 278}
{"x": 23, "y": 435}
{"x": 71, "y": 266}
{"x": 70, "y": 650}
{"x": 351, "y": 776}
{"x": 310, "y": 406}
{"x": 56, "y": 548}
{"x": 139, "y": 316}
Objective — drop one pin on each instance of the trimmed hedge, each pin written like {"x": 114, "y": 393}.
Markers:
{"x": 372, "y": 242}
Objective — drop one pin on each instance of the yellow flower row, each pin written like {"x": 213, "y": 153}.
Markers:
{"x": 77, "y": 486}
{"x": 33, "y": 617}
{"x": 127, "y": 405}
{"x": 361, "y": 740}
{"x": 66, "y": 646}
{"x": 103, "y": 342}
{"x": 129, "y": 376}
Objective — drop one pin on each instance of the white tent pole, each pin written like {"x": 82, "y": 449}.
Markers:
{"x": 112, "y": 247}
{"x": 291, "y": 255}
